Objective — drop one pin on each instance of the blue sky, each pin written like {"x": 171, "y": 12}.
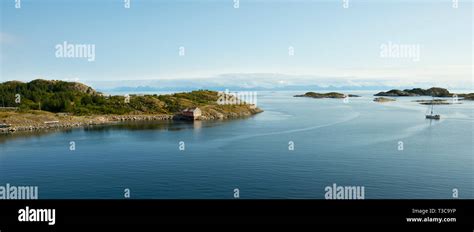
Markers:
{"x": 330, "y": 42}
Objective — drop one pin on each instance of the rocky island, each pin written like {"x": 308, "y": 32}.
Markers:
{"x": 434, "y": 102}
{"x": 326, "y": 95}
{"x": 466, "y": 96}
{"x": 434, "y": 92}
{"x": 383, "y": 99}
{"x": 44, "y": 104}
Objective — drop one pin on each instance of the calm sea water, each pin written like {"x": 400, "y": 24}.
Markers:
{"x": 353, "y": 144}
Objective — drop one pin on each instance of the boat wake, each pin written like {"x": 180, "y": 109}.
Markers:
{"x": 343, "y": 120}
{"x": 405, "y": 133}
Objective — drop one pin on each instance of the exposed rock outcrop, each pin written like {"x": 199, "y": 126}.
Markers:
{"x": 434, "y": 91}
{"x": 383, "y": 99}
{"x": 326, "y": 95}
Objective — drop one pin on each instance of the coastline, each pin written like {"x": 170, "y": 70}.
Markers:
{"x": 68, "y": 122}
{"x": 41, "y": 120}
{"x": 52, "y": 104}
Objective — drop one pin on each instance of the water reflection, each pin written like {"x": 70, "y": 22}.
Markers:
{"x": 31, "y": 134}
{"x": 105, "y": 129}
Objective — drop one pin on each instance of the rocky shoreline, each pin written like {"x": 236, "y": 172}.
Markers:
{"x": 86, "y": 121}
{"x": 68, "y": 122}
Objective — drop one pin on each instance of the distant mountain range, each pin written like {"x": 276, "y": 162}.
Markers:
{"x": 125, "y": 89}
{"x": 266, "y": 82}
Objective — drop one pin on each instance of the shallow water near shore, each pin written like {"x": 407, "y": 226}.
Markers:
{"x": 353, "y": 144}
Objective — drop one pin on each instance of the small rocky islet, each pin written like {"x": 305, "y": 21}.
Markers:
{"x": 434, "y": 102}
{"x": 384, "y": 99}
{"x": 326, "y": 95}
{"x": 415, "y": 92}
{"x": 433, "y": 92}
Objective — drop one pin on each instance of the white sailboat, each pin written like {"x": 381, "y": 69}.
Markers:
{"x": 431, "y": 115}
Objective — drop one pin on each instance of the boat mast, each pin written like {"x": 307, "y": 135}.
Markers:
{"x": 432, "y": 105}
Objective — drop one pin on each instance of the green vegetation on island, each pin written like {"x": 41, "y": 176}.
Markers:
{"x": 434, "y": 92}
{"x": 326, "y": 95}
{"x": 45, "y": 104}
{"x": 466, "y": 96}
